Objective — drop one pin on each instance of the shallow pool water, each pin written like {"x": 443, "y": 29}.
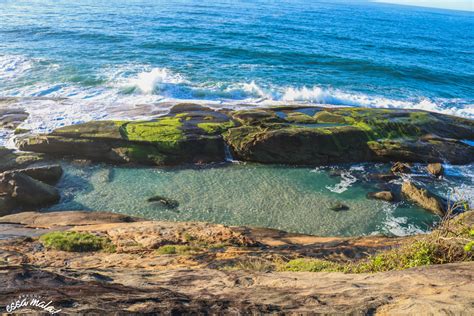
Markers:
{"x": 281, "y": 197}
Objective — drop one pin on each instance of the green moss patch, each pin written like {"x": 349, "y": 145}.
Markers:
{"x": 300, "y": 118}
{"x": 76, "y": 242}
{"x": 328, "y": 117}
{"x": 166, "y": 131}
{"x": 310, "y": 265}
{"x": 213, "y": 128}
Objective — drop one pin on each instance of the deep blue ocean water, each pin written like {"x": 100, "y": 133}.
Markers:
{"x": 106, "y": 54}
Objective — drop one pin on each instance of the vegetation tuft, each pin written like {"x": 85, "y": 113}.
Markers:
{"x": 452, "y": 241}
{"x": 76, "y": 242}
{"x": 177, "y": 250}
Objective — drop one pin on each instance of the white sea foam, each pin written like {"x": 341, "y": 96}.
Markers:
{"x": 13, "y": 66}
{"x": 152, "y": 80}
{"x": 131, "y": 85}
{"x": 347, "y": 179}
{"x": 464, "y": 190}
{"x": 397, "y": 226}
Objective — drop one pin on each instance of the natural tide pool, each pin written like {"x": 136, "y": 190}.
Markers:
{"x": 288, "y": 198}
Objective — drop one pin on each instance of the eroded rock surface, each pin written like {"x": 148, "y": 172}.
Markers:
{"x": 423, "y": 198}
{"x": 136, "y": 279}
{"x": 9, "y": 159}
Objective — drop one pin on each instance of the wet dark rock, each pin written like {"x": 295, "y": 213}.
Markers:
{"x": 435, "y": 169}
{"x": 164, "y": 201}
{"x": 11, "y": 118}
{"x": 10, "y": 159}
{"x": 400, "y": 167}
{"x": 385, "y": 177}
{"x": 423, "y": 198}
{"x": 47, "y": 174}
{"x": 26, "y": 191}
{"x": 382, "y": 195}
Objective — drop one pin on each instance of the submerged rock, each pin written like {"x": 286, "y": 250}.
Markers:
{"x": 164, "y": 201}
{"x": 385, "y": 177}
{"x": 435, "y": 169}
{"x": 382, "y": 195}
{"x": 338, "y": 206}
{"x": 423, "y": 198}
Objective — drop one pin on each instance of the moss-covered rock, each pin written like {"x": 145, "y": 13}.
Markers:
{"x": 300, "y": 118}
{"x": 213, "y": 128}
{"x": 10, "y": 159}
{"x": 299, "y": 145}
{"x": 172, "y": 139}
{"x": 328, "y": 117}
{"x": 194, "y": 133}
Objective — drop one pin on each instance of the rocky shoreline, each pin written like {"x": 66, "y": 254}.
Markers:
{"x": 192, "y": 267}
{"x": 193, "y": 133}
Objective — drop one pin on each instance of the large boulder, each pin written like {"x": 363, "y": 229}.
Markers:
{"x": 23, "y": 190}
{"x": 435, "y": 169}
{"x": 349, "y": 135}
{"x": 187, "y": 135}
{"x": 49, "y": 174}
{"x": 423, "y": 198}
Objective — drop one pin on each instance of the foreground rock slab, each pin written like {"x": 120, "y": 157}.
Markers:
{"x": 136, "y": 279}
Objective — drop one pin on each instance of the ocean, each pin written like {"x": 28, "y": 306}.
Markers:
{"x": 104, "y": 55}
{"x": 68, "y": 62}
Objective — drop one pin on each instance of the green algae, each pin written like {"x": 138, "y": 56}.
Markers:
{"x": 166, "y": 131}
{"x": 213, "y": 128}
{"x": 328, "y": 117}
{"x": 143, "y": 153}
{"x": 301, "y": 118}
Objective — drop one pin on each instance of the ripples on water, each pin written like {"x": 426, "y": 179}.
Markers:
{"x": 287, "y": 198}
{"x": 107, "y": 54}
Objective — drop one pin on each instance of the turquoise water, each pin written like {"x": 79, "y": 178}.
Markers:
{"x": 287, "y": 198}
{"x": 107, "y": 54}
{"x": 89, "y": 60}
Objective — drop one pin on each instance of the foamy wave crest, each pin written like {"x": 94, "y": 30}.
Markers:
{"x": 397, "y": 226}
{"x": 338, "y": 97}
{"x": 347, "y": 179}
{"x": 12, "y": 66}
{"x": 138, "y": 84}
{"x": 155, "y": 80}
